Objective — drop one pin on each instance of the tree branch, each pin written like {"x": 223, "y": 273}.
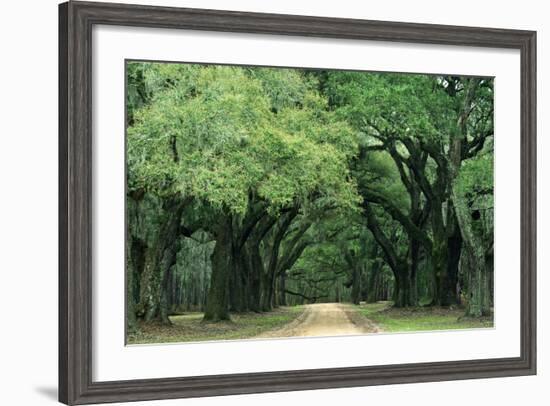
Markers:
{"x": 411, "y": 228}
{"x": 310, "y": 298}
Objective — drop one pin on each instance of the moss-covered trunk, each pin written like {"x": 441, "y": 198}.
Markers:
{"x": 282, "y": 289}
{"x": 255, "y": 277}
{"x": 477, "y": 274}
{"x": 373, "y": 276}
{"x": 356, "y": 284}
{"x": 454, "y": 244}
{"x": 217, "y": 301}
{"x": 439, "y": 256}
{"x": 136, "y": 250}
{"x": 131, "y": 319}
{"x": 159, "y": 259}
{"x": 414, "y": 248}
{"x": 402, "y": 294}
{"x": 266, "y": 303}
{"x": 473, "y": 247}
{"x": 238, "y": 283}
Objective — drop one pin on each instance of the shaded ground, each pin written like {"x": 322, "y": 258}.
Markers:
{"x": 189, "y": 327}
{"x": 420, "y": 318}
{"x": 325, "y": 319}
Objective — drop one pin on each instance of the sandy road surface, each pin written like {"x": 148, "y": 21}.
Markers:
{"x": 325, "y": 319}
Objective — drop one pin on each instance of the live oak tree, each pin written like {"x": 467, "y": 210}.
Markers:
{"x": 473, "y": 196}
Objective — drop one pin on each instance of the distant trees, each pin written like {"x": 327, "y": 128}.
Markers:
{"x": 250, "y": 188}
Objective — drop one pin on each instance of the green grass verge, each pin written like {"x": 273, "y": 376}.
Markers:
{"x": 190, "y": 327}
{"x": 391, "y": 319}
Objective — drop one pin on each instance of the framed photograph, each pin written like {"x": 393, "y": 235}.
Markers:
{"x": 258, "y": 202}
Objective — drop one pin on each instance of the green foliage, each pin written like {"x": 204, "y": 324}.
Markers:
{"x": 378, "y": 172}
{"x": 285, "y": 88}
{"x": 475, "y": 180}
{"x": 216, "y": 135}
{"x": 475, "y": 183}
{"x": 390, "y": 104}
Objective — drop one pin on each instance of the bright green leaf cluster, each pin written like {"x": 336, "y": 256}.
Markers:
{"x": 222, "y": 133}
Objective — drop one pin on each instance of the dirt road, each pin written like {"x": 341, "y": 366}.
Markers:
{"x": 326, "y": 319}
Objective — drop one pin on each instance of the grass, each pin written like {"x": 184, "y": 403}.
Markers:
{"x": 190, "y": 327}
{"x": 391, "y": 319}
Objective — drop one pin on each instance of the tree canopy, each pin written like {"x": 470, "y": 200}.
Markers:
{"x": 250, "y": 188}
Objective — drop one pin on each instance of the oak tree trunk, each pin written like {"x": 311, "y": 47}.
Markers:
{"x": 356, "y": 285}
{"x": 158, "y": 261}
{"x": 217, "y": 302}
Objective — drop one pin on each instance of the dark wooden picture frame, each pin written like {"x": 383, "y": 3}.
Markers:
{"x": 76, "y": 20}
